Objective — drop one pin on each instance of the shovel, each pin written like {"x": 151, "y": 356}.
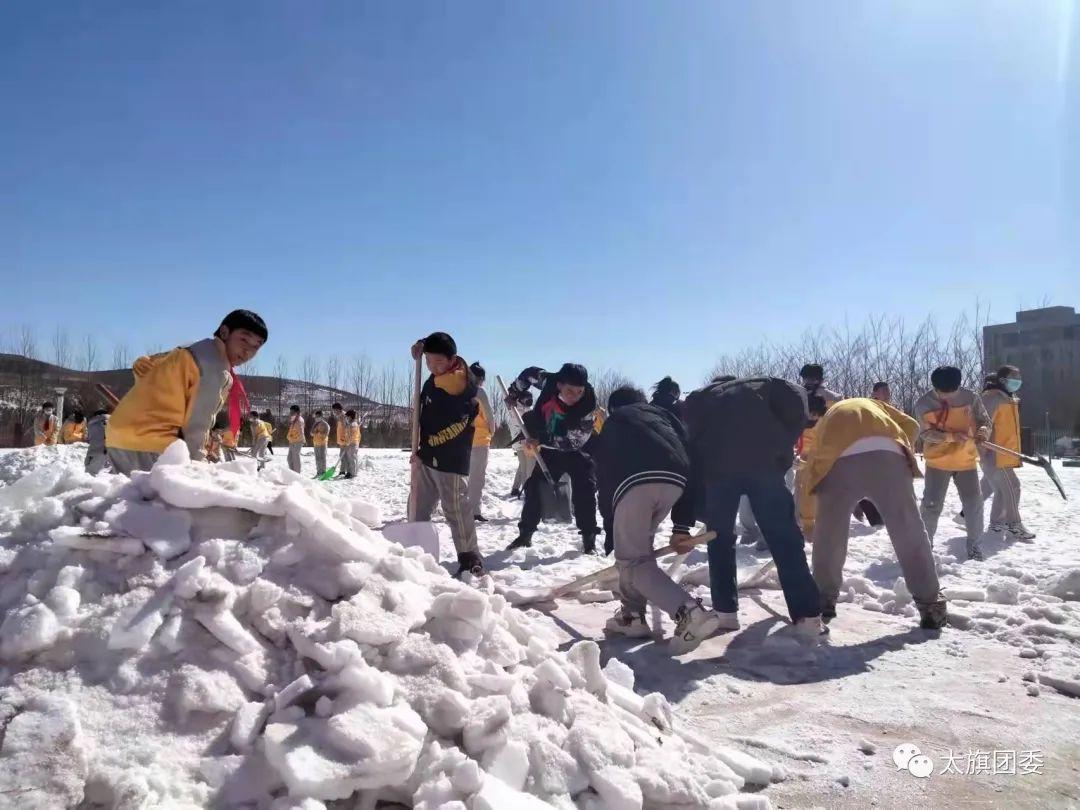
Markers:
{"x": 555, "y": 498}
{"x": 1037, "y": 461}
{"x": 420, "y": 533}
{"x": 525, "y": 596}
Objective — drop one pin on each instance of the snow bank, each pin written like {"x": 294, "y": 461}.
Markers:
{"x": 209, "y": 635}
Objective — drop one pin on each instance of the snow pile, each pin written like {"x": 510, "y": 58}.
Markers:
{"x": 208, "y": 635}
{"x": 14, "y": 464}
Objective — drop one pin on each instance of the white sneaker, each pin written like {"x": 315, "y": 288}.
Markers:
{"x": 1019, "y": 532}
{"x": 959, "y": 519}
{"x": 811, "y": 627}
{"x": 631, "y": 625}
{"x": 694, "y": 624}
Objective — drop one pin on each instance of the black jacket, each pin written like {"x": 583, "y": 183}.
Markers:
{"x": 748, "y": 426}
{"x": 447, "y": 423}
{"x": 551, "y": 422}
{"x": 643, "y": 444}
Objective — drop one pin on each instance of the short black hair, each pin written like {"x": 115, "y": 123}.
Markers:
{"x": 812, "y": 371}
{"x": 624, "y": 395}
{"x": 572, "y": 374}
{"x": 77, "y": 416}
{"x": 478, "y": 371}
{"x": 245, "y": 319}
{"x": 294, "y": 408}
{"x": 879, "y": 385}
{"x": 350, "y": 413}
{"x": 48, "y": 404}
{"x": 946, "y": 379}
{"x": 253, "y": 412}
{"x": 101, "y": 412}
{"x": 440, "y": 343}
{"x": 336, "y": 406}
{"x": 221, "y": 421}
{"x": 667, "y": 386}
{"x": 318, "y": 413}
{"x": 1005, "y": 371}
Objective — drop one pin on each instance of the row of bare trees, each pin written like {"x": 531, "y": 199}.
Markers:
{"x": 881, "y": 348}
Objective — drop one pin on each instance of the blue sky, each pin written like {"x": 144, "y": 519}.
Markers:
{"x": 632, "y": 185}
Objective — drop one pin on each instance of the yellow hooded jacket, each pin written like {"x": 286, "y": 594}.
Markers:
{"x": 850, "y": 420}
{"x": 295, "y": 434}
{"x": 949, "y": 427}
{"x": 176, "y": 394}
{"x": 1003, "y": 409}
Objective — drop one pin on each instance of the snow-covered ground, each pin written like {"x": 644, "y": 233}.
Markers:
{"x": 224, "y": 640}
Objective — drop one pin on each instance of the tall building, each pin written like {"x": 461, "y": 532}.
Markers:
{"x": 1045, "y": 345}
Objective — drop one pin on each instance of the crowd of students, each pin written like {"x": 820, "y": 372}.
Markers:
{"x": 790, "y": 461}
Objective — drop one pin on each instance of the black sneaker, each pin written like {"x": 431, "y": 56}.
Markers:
{"x": 470, "y": 563}
{"x": 479, "y": 518}
{"x": 515, "y": 493}
{"x": 933, "y": 617}
{"x": 588, "y": 542}
{"x": 828, "y": 611}
{"x": 522, "y": 541}
{"x": 609, "y": 544}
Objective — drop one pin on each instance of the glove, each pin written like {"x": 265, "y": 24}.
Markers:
{"x": 982, "y": 435}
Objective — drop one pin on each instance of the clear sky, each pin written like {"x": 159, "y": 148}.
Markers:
{"x": 634, "y": 185}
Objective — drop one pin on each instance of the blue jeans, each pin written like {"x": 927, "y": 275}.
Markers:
{"x": 774, "y": 508}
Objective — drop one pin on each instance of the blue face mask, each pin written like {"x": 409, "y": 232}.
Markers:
{"x": 1012, "y": 385}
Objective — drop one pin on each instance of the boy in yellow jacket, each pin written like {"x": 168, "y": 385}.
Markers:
{"x": 999, "y": 469}
{"x": 45, "y": 425}
{"x": 228, "y": 438}
{"x": 953, "y": 423}
{"x": 341, "y": 436}
{"x": 481, "y": 444}
{"x": 866, "y": 449}
{"x": 74, "y": 429}
{"x": 295, "y": 437}
{"x": 260, "y": 436}
{"x": 320, "y": 435}
{"x": 351, "y": 450}
{"x": 178, "y": 394}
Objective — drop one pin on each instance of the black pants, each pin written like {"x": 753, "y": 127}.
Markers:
{"x": 582, "y": 474}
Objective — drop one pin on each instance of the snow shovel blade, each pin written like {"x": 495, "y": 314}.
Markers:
{"x": 1047, "y": 465}
{"x": 420, "y": 533}
{"x": 326, "y": 476}
{"x": 555, "y": 502}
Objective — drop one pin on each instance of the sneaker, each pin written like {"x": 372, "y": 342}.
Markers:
{"x": 811, "y": 627}
{"x": 975, "y": 552}
{"x": 996, "y": 526}
{"x": 933, "y": 617}
{"x": 631, "y": 625}
{"x": 588, "y": 542}
{"x": 514, "y": 494}
{"x": 694, "y": 624}
{"x": 1019, "y": 532}
{"x": 480, "y": 518}
{"x": 521, "y": 541}
{"x": 470, "y": 563}
{"x": 828, "y": 610}
{"x": 959, "y": 519}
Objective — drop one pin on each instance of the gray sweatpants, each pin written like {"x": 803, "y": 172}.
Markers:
{"x": 885, "y": 479}
{"x": 478, "y": 463}
{"x": 320, "y": 459}
{"x": 294, "y": 456}
{"x": 95, "y": 461}
{"x": 637, "y": 517}
{"x": 934, "y": 489}
{"x": 126, "y": 462}
{"x": 525, "y": 467}
{"x": 1005, "y": 485}
{"x": 258, "y": 449}
{"x": 347, "y": 461}
{"x": 431, "y": 487}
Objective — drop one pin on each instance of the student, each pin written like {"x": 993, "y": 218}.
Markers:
{"x": 812, "y": 379}
{"x": 999, "y": 469}
{"x": 526, "y": 459}
{"x": 268, "y": 418}
{"x": 178, "y": 394}
{"x": 74, "y": 429}
{"x": 341, "y": 435}
{"x": 320, "y": 435}
{"x": 481, "y": 444}
{"x": 440, "y": 465}
{"x": 953, "y": 422}
{"x": 666, "y": 395}
{"x": 742, "y": 435}
{"x": 260, "y": 436}
{"x": 560, "y": 425}
{"x": 95, "y": 436}
{"x": 351, "y": 451}
{"x": 882, "y": 393}
{"x": 45, "y": 424}
{"x": 866, "y": 449}
{"x": 295, "y": 437}
{"x": 643, "y": 470}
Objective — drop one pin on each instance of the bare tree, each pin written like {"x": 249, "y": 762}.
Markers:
{"x": 281, "y": 371}
{"x": 606, "y": 380}
{"x": 89, "y": 354}
{"x": 309, "y": 371}
{"x": 121, "y": 355}
{"x": 61, "y": 350}
{"x": 333, "y": 371}
{"x": 361, "y": 383}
